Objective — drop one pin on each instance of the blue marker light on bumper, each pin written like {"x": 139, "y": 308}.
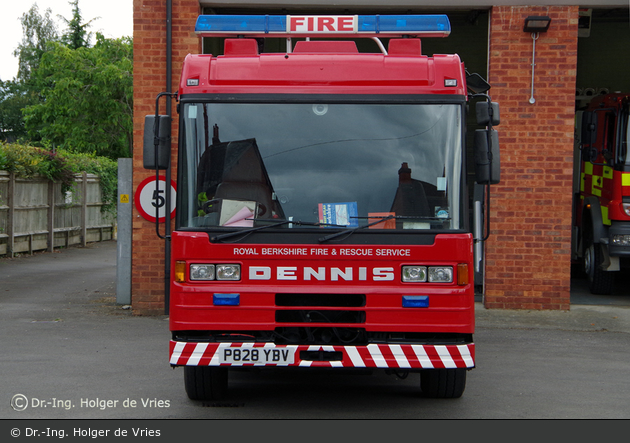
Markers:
{"x": 415, "y": 301}
{"x": 226, "y": 299}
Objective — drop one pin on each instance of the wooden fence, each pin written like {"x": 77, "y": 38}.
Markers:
{"x": 35, "y": 215}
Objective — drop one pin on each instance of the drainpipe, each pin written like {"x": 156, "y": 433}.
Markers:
{"x": 167, "y": 218}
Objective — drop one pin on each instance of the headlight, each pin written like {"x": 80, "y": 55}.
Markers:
{"x": 621, "y": 240}
{"x": 440, "y": 274}
{"x": 414, "y": 273}
{"x": 626, "y": 208}
{"x": 201, "y": 272}
{"x": 228, "y": 272}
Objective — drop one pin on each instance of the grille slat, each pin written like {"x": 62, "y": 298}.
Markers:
{"x": 319, "y": 316}
{"x": 321, "y": 300}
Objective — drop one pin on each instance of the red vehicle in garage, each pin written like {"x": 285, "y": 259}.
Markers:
{"x": 601, "y": 233}
{"x": 322, "y": 203}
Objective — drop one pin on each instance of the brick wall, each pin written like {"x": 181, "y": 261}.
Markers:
{"x": 149, "y": 46}
{"x": 529, "y": 252}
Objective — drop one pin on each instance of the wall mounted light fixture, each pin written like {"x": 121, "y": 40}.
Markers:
{"x": 535, "y": 25}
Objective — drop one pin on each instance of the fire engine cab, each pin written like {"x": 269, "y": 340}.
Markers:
{"x": 601, "y": 232}
{"x": 323, "y": 215}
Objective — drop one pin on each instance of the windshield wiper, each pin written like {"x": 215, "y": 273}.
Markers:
{"x": 220, "y": 237}
{"x": 381, "y": 220}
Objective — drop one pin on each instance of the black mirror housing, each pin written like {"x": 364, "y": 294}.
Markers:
{"x": 589, "y": 128}
{"x": 487, "y": 112}
{"x": 487, "y": 158}
{"x": 157, "y": 130}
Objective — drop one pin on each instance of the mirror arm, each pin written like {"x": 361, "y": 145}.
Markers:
{"x": 156, "y": 144}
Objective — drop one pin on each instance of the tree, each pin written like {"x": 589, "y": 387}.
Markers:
{"x": 37, "y": 31}
{"x": 76, "y": 36}
{"x": 87, "y": 98}
{"x": 14, "y": 96}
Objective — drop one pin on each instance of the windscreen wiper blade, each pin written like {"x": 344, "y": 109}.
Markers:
{"x": 220, "y": 237}
{"x": 380, "y": 220}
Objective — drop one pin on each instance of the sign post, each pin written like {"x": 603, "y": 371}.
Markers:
{"x": 123, "y": 236}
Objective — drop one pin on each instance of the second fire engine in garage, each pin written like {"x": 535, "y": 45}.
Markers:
{"x": 601, "y": 233}
{"x": 322, "y": 201}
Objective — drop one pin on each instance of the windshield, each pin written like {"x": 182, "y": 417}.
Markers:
{"x": 333, "y": 165}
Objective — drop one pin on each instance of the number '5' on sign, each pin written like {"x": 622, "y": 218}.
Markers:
{"x": 150, "y": 198}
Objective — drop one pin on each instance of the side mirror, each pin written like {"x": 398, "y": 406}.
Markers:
{"x": 589, "y": 128}
{"x": 487, "y": 112}
{"x": 157, "y": 131}
{"x": 487, "y": 159}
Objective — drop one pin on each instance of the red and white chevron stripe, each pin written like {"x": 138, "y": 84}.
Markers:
{"x": 395, "y": 356}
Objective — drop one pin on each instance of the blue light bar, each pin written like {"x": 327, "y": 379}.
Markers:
{"x": 436, "y": 25}
{"x": 243, "y": 24}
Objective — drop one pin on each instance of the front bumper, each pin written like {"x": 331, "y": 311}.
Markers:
{"x": 619, "y": 228}
{"x": 386, "y": 356}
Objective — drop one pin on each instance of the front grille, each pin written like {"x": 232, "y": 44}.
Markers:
{"x": 319, "y": 316}
{"x": 321, "y": 300}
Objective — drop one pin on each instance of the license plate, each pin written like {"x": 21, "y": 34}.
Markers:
{"x": 261, "y": 356}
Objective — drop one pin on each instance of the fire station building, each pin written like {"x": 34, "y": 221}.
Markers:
{"x": 539, "y": 81}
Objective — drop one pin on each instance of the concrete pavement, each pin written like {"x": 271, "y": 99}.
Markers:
{"x": 64, "y": 338}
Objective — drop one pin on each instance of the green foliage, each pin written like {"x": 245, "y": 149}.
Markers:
{"x": 38, "y": 31}
{"x": 88, "y": 98}
{"x": 61, "y": 166}
{"x": 68, "y": 94}
{"x": 17, "y": 94}
{"x": 105, "y": 168}
{"x": 76, "y": 36}
{"x": 14, "y": 96}
{"x": 25, "y": 161}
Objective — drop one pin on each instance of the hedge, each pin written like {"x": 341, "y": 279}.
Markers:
{"x": 61, "y": 166}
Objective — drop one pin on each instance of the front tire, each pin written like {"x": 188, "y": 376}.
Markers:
{"x": 206, "y": 382}
{"x": 443, "y": 383}
{"x": 600, "y": 282}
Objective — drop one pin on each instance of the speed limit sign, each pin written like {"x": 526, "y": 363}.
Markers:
{"x": 148, "y": 198}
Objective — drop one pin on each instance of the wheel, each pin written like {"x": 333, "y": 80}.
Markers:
{"x": 205, "y": 382}
{"x": 443, "y": 383}
{"x": 600, "y": 282}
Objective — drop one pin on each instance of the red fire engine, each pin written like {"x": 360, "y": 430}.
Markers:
{"x": 322, "y": 203}
{"x": 601, "y": 231}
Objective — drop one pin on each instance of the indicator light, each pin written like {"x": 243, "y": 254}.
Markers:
{"x": 180, "y": 271}
{"x": 462, "y": 274}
